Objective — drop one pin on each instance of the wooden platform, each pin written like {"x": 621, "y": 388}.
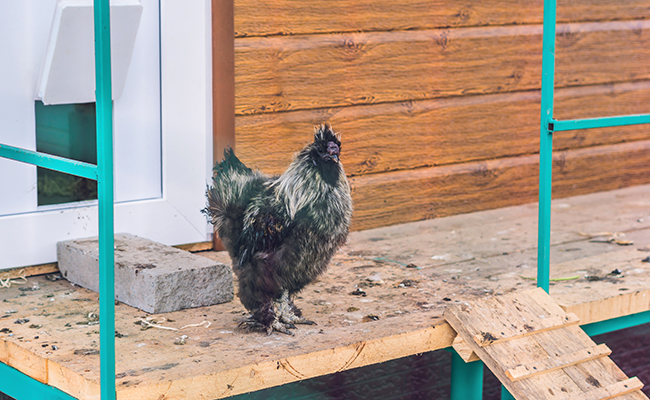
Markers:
{"x": 537, "y": 350}
{"x": 409, "y": 273}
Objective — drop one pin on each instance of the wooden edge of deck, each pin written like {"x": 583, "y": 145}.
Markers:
{"x": 277, "y": 372}
{"x": 598, "y": 310}
{"x": 41, "y": 269}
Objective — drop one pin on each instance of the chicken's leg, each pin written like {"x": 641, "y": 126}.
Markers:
{"x": 289, "y": 313}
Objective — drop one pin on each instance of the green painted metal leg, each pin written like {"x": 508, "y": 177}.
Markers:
{"x": 505, "y": 394}
{"x": 104, "y": 116}
{"x": 614, "y": 324}
{"x": 546, "y": 145}
{"x": 21, "y": 387}
{"x": 466, "y": 379}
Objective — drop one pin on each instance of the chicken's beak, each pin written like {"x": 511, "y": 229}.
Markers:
{"x": 335, "y": 158}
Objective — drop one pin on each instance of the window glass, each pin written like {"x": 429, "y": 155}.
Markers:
{"x": 66, "y": 130}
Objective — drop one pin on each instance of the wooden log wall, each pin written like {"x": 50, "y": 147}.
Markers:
{"x": 438, "y": 101}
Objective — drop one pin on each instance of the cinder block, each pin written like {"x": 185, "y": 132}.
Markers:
{"x": 150, "y": 276}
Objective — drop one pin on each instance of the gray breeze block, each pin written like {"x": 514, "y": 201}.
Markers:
{"x": 150, "y": 276}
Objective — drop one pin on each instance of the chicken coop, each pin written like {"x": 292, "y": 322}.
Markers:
{"x": 459, "y": 122}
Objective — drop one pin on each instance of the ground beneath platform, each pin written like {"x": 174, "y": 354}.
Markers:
{"x": 381, "y": 299}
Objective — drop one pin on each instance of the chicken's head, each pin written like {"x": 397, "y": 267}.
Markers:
{"x": 327, "y": 145}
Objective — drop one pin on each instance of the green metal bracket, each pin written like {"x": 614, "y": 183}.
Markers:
{"x": 21, "y": 387}
{"x": 590, "y": 123}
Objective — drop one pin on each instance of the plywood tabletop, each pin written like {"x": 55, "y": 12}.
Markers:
{"x": 409, "y": 273}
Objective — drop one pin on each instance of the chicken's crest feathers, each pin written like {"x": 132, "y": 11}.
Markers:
{"x": 324, "y": 132}
{"x": 230, "y": 163}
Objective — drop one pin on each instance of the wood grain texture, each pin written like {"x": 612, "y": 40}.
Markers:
{"x": 407, "y": 135}
{"x": 398, "y": 197}
{"x": 319, "y": 71}
{"x": 557, "y": 362}
{"x": 299, "y": 17}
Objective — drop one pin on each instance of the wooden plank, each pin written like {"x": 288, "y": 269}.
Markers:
{"x": 614, "y": 390}
{"x": 398, "y": 197}
{"x": 295, "y": 17}
{"x": 307, "y": 72}
{"x": 563, "y": 378}
{"x": 217, "y": 362}
{"x": 553, "y": 322}
{"x": 464, "y": 351}
{"x": 407, "y": 135}
{"x": 194, "y": 247}
{"x": 609, "y": 302}
{"x": 15, "y": 273}
{"x": 553, "y": 363}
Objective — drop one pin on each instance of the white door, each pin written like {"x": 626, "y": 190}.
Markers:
{"x": 162, "y": 132}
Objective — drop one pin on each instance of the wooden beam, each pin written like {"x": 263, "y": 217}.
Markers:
{"x": 194, "y": 247}
{"x": 398, "y": 197}
{"x": 299, "y": 17}
{"x": 15, "y": 273}
{"x": 463, "y": 350}
{"x": 407, "y": 135}
{"x": 334, "y": 70}
{"x": 223, "y": 82}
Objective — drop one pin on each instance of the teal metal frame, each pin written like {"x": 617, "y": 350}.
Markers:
{"x": 548, "y": 125}
{"x": 14, "y": 382}
{"x": 471, "y": 386}
{"x": 466, "y": 379}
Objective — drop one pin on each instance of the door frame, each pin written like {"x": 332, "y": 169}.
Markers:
{"x": 186, "y": 140}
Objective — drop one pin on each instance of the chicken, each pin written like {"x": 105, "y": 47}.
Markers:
{"x": 281, "y": 232}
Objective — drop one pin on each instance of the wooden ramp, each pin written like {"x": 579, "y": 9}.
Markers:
{"x": 537, "y": 350}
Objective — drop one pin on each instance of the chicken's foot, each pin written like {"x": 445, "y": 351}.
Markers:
{"x": 288, "y": 313}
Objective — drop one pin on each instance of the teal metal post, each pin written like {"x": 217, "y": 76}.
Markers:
{"x": 466, "y": 379}
{"x": 104, "y": 113}
{"x": 546, "y": 146}
{"x": 505, "y": 394}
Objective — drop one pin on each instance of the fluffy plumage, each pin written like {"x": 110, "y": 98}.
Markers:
{"x": 281, "y": 232}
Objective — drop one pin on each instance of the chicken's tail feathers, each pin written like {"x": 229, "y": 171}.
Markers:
{"x": 230, "y": 163}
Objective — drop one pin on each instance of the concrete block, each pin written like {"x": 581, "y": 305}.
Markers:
{"x": 150, "y": 276}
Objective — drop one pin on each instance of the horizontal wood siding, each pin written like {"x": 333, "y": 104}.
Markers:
{"x": 395, "y": 197}
{"x": 306, "y": 72}
{"x": 438, "y": 102}
{"x": 304, "y": 17}
{"x": 407, "y": 135}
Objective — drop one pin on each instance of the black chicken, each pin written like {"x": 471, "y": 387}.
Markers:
{"x": 282, "y": 231}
